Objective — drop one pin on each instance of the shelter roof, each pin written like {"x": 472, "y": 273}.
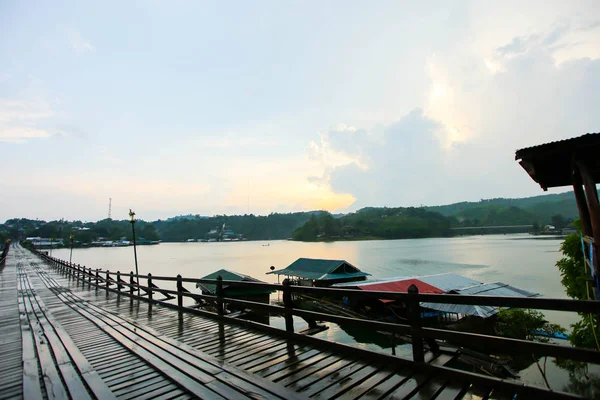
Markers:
{"x": 485, "y": 289}
{"x": 551, "y": 164}
{"x": 320, "y": 269}
{"x": 228, "y": 275}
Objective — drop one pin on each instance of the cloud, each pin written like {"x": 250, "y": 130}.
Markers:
{"x": 20, "y": 110}
{"x": 460, "y": 145}
{"x": 106, "y": 156}
{"x": 21, "y": 134}
{"x": 19, "y": 120}
{"x": 79, "y": 44}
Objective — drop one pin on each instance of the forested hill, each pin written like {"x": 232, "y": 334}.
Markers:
{"x": 252, "y": 227}
{"x": 370, "y": 222}
{"x": 537, "y": 208}
{"x": 375, "y": 223}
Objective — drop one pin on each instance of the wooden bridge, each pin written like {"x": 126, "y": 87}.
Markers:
{"x": 74, "y": 333}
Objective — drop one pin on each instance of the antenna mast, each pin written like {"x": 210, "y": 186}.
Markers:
{"x": 109, "y": 207}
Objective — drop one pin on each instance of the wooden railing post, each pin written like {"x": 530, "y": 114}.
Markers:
{"x": 219, "y": 293}
{"x": 107, "y": 279}
{"x": 287, "y": 302}
{"x": 97, "y": 277}
{"x": 119, "y": 281}
{"x": 150, "y": 287}
{"x": 414, "y": 317}
{"x": 179, "y": 293}
{"x": 90, "y": 276}
{"x": 131, "y": 283}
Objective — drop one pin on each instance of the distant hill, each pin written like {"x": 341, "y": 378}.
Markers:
{"x": 513, "y": 211}
{"x": 368, "y": 222}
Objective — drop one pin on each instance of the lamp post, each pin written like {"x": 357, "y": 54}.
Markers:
{"x": 72, "y": 237}
{"x": 132, "y": 220}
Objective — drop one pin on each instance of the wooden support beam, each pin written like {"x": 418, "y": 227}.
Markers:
{"x": 582, "y": 205}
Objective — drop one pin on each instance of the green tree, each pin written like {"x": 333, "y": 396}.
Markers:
{"x": 558, "y": 221}
{"x": 574, "y": 279}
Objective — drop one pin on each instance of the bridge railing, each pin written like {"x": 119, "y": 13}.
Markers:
{"x": 148, "y": 289}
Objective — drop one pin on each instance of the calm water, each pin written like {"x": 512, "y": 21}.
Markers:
{"x": 518, "y": 260}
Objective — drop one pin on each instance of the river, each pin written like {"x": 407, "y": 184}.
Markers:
{"x": 521, "y": 260}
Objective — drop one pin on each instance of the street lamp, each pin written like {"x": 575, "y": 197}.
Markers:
{"x": 72, "y": 237}
{"x": 132, "y": 220}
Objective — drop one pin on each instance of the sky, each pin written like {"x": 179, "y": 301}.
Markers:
{"x": 177, "y": 107}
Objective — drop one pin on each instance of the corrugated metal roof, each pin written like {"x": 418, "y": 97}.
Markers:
{"x": 496, "y": 289}
{"x": 465, "y": 309}
{"x": 551, "y": 164}
{"x": 557, "y": 144}
{"x": 449, "y": 281}
{"x": 319, "y": 269}
{"x": 400, "y": 287}
{"x": 484, "y": 289}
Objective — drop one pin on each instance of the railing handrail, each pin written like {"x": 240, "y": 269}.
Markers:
{"x": 502, "y": 344}
{"x": 538, "y": 303}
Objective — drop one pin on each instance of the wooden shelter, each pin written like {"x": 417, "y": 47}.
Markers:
{"x": 259, "y": 295}
{"x": 572, "y": 162}
{"x": 318, "y": 272}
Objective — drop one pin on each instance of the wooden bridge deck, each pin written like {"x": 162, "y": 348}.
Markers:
{"x": 77, "y": 341}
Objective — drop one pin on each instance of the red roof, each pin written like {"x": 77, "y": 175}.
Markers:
{"x": 400, "y": 287}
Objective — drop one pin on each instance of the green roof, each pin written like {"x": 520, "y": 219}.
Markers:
{"x": 231, "y": 276}
{"x": 319, "y": 269}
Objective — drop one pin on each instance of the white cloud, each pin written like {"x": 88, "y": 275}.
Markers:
{"x": 21, "y": 134}
{"x": 79, "y": 44}
{"x": 19, "y": 120}
{"x": 20, "y": 110}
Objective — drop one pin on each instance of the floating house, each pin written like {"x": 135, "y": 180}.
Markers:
{"x": 242, "y": 293}
{"x": 447, "y": 283}
{"x": 319, "y": 272}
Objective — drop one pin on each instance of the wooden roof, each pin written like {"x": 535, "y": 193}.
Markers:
{"x": 551, "y": 164}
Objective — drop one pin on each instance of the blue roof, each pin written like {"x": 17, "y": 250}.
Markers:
{"x": 320, "y": 269}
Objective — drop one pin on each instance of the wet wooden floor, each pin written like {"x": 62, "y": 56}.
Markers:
{"x": 68, "y": 340}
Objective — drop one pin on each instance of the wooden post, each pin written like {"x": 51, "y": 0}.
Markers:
{"x": 119, "y": 281}
{"x": 591, "y": 193}
{"x": 179, "y": 293}
{"x": 97, "y": 277}
{"x": 287, "y": 302}
{"x": 131, "y": 283}
{"x": 107, "y": 280}
{"x": 90, "y": 276}
{"x": 582, "y": 206}
{"x": 414, "y": 317}
{"x": 219, "y": 293}
{"x": 150, "y": 288}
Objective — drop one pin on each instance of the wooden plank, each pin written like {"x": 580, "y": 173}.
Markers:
{"x": 372, "y": 381}
{"x": 332, "y": 378}
{"x": 288, "y": 364}
{"x": 306, "y": 382}
{"x": 347, "y": 382}
{"x": 142, "y": 345}
{"x": 409, "y": 387}
{"x": 452, "y": 390}
{"x": 73, "y": 367}
{"x": 298, "y": 374}
{"x": 388, "y": 385}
